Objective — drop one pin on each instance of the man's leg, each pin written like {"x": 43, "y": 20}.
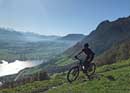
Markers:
{"x": 89, "y": 61}
{"x": 86, "y": 64}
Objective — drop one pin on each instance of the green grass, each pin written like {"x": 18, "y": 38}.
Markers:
{"x": 64, "y": 60}
{"x": 36, "y": 86}
{"x": 120, "y": 82}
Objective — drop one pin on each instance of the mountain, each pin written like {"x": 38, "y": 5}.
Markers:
{"x": 104, "y": 36}
{"x": 73, "y": 37}
{"x": 33, "y": 37}
{"x": 12, "y": 35}
{"x": 9, "y": 35}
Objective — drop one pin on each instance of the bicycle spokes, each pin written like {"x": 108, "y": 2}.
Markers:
{"x": 73, "y": 74}
{"x": 91, "y": 69}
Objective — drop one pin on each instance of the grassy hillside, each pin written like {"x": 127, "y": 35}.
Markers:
{"x": 112, "y": 78}
{"x": 119, "y": 51}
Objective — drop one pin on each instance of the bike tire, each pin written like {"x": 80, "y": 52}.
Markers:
{"x": 71, "y": 71}
{"x": 93, "y": 67}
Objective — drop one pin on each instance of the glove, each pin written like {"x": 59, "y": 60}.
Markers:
{"x": 76, "y": 57}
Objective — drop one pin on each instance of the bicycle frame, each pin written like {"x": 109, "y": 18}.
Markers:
{"x": 80, "y": 64}
{"x": 79, "y": 67}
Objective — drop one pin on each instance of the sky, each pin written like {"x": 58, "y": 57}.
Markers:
{"x": 60, "y": 17}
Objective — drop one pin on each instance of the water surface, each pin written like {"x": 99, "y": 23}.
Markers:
{"x": 7, "y": 68}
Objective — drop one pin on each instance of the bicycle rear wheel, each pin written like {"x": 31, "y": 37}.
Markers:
{"x": 73, "y": 74}
{"x": 91, "y": 69}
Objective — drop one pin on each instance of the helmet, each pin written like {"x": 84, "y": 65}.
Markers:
{"x": 86, "y": 45}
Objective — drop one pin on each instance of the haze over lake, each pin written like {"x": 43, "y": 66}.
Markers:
{"x": 14, "y": 67}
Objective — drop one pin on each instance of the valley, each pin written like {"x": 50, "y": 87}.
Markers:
{"x": 111, "y": 44}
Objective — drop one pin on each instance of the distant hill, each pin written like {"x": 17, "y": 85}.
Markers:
{"x": 73, "y": 37}
{"x": 9, "y": 35}
{"x": 12, "y": 35}
{"x": 33, "y": 37}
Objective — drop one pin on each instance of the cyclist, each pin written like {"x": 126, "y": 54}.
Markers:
{"x": 89, "y": 55}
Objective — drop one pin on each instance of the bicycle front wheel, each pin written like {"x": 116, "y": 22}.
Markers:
{"x": 73, "y": 74}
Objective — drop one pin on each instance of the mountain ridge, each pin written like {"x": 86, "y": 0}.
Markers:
{"x": 73, "y": 37}
{"x": 104, "y": 36}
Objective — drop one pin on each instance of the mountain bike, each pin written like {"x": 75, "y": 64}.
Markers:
{"x": 73, "y": 73}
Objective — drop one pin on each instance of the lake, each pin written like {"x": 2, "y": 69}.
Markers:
{"x": 7, "y": 68}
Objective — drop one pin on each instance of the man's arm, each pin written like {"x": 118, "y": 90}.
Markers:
{"x": 79, "y": 53}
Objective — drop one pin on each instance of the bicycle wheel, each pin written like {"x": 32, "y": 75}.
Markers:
{"x": 91, "y": 69}
{"x": 73, "y": 74}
